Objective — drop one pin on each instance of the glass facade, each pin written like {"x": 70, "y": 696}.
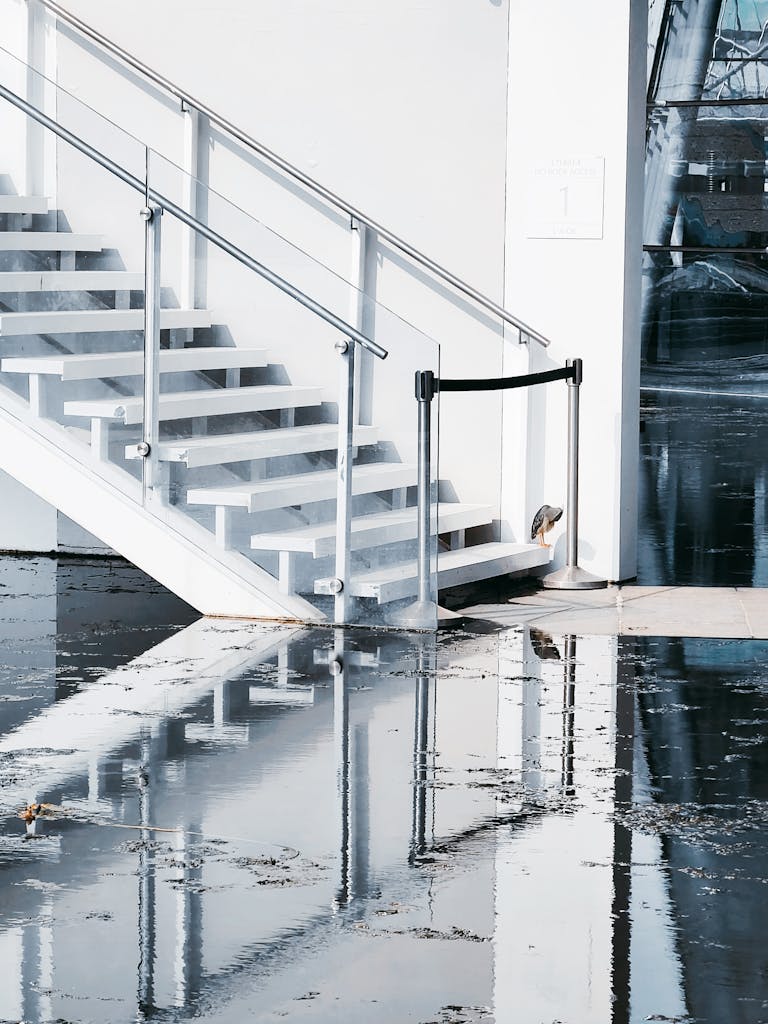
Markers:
{"x": 705, "y": 296}
{"x": 706, "y": 225}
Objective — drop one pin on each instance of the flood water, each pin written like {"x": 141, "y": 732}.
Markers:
{"x": 266, "y": 823}
{"x": 703, "y": 508}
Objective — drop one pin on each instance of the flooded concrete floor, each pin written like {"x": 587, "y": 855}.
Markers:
{"x": 703, "y": 505}
{"x": 234, "y": 822}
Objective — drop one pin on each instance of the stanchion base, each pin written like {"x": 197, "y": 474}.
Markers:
{"x": 420, "y": 615}
{"x": 571, "y": 577}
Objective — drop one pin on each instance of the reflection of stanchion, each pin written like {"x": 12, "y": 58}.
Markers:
{"x": 341, "y": 746}
{"x": 421, "y": 753}
{"x": 569, "y": 714}
{"x": 571, "y": 577}
{"x": 530, "y": 741}
{"x": 146, "y": 996}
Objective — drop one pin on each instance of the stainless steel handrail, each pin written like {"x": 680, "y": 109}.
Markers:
{"x": 186, "y": 218}
{"x": 294, "y": 172}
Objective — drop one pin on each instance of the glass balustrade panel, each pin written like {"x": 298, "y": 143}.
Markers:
{"x": 249, "y": 428}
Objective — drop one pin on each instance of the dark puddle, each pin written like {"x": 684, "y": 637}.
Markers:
{"x": 239, "y": 822}
{"x": 703, "y": 503}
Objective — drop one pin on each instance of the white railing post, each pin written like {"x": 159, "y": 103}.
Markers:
{"x": 349, "y": 416}
{"x": 344, "y": 457}
{"x": 191, "y": 149}
{"x": 151, "y": 433}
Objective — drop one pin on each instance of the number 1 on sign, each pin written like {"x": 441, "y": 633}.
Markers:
{"x": 564, "y": 194}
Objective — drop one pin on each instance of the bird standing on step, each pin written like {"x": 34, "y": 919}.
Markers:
{"x": 543, "y": 522}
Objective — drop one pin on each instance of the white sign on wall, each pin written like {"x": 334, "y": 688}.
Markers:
{"x": 565, "y": 197}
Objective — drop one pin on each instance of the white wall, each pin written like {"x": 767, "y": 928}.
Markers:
{"x": 425, "y": 117}
{"x": 579, "y": 95}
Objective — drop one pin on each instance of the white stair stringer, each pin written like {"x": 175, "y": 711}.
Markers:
{"x": 160, "y": 540}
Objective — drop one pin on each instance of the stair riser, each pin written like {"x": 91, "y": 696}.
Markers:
{"x": 48, "y": 241}
{"x": 260, "y": 446}
{"x": 216, "y": 402}
{"x": 96, "y": 321}
{"x": 363, "y": 538}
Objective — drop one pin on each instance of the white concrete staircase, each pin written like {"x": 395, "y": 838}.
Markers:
{"x": 241, "y": 519}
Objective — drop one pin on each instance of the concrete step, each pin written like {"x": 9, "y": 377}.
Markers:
{"x": 188, "y": 404}
{"x": 263, "y": 444}
{"x": 373, "y": 530}
{"x": 280, "y": 492}
{"x": 70, "y": 280}
{"x": 87, "y": 321}
{"x": 49, "y": 241}
{"x": 92, "y": 366}
{"x": 454, "y": 568}
{"x": 23, "y": 204}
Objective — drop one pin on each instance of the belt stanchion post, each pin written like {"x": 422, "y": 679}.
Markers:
{"x": 571, "y": 577}
{"x": 422, "y": 614}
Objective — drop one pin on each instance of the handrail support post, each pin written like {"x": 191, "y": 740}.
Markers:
{"x": 152, "y": 216}
{"x": 344, "y": 458}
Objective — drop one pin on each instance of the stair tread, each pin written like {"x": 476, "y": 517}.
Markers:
{"x": 393, "y": 525}
{"x": 101, "y": 364}
{"x": 49, "y": 241}
{"x": 447, "y": 560}
{"x": 70, "y": 280}
{"x": 466, "y": 565}
{"x": 277, "y": 492}
{"x": 269, "y": 443}
{"x": 68, "y": 321}
{"x": 23, "y": 204}
{"x": 186, "y": 404}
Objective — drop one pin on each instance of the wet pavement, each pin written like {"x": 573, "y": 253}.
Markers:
{"x": 703, "y": 475}
{"x": 234, "y": 822}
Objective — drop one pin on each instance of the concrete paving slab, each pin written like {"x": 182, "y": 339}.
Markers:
{"x": 717, "y": 612}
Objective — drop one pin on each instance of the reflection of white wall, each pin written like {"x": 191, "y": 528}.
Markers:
{"x": 554, "y": 883}
{"x": 656, "y": 981}
{"x": 12, "y": 957}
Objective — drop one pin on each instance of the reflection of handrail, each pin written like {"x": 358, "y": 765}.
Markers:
{"x": 192, "y": 222}
{"x": 294, "y": 172}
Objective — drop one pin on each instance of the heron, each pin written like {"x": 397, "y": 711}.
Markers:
{"x": 543, "y": 522}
